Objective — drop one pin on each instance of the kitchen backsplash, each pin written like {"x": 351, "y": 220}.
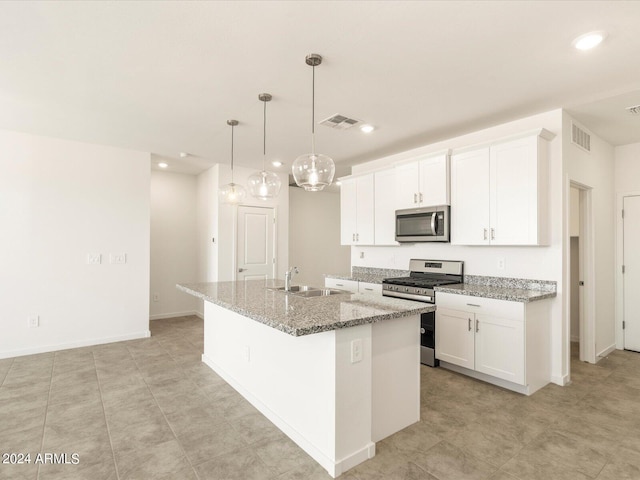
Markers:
{"x": 524, "y": 283}
{"x": 373, "y": 271}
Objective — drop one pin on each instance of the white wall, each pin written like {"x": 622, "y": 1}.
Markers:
{"x": 314, "y": 236}
{"x": 59, "y": 201}
{"x": 596, "y": 170}
{"x": 542, "y": 263}
{"x": 174, "y": 252}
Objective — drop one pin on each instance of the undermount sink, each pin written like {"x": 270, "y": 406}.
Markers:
{"x": 306, "y": 291}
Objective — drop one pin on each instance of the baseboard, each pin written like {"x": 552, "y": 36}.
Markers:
{"x": 78, "y": 344}
{"x": 605, "y": 352}
{"x": 561, "y": 380}
{"x": 334, "y": 468}
{"x": 161, "y": 316}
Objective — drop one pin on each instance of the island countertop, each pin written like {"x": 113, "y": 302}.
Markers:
{"x": 302, "y": 316}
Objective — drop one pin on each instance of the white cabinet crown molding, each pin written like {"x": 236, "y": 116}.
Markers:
{"x": 539, "y": 132}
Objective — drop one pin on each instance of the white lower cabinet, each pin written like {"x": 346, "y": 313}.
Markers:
{"x": 503, "y": 342}
{"x": 353, "y": 286}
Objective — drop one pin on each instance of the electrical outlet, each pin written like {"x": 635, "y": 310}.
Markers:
{"x": 34, "y": 321}
{"x": 361, "y": 254}
{"x": 94, "y": 258}
{"x": 501, "y": 263}
{"x": 156, "y": 297}
{"x": 356, "y": 350}
{"x": 118, "y": 258}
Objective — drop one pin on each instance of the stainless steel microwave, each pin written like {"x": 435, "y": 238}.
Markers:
{"x": 427, "y": 224}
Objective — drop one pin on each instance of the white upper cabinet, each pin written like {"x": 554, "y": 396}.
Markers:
{"x": 499, "y": 193}
{"x": 423, "y": 183}
{"x": 384, "y": 208}
{"x": 357, "y": 211}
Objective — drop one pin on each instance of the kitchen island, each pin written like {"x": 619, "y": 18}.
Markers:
{"x": 335, "y": 373}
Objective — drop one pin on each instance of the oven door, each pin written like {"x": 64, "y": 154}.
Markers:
{"x": 423, "y": 224}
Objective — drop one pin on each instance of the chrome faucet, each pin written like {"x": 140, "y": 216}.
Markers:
{"x": 287, "y": 278}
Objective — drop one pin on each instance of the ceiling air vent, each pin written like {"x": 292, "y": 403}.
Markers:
{"x": 635, "y": 110}
{"x": 340, "y": 122}
{"x": 580, "y": 138}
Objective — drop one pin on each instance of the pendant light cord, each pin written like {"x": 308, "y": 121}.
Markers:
{"x": 264, "y": 136}
{"x": 313, "y": 110}
{"x": 232, "y": 153}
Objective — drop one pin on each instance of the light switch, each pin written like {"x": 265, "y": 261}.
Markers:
{"x": 356, "y": 350}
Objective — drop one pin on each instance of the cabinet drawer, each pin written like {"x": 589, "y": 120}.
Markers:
{"x": 349, "y": 285}
{"x": 366, "y": 287}
{"x": 481, "y": 305}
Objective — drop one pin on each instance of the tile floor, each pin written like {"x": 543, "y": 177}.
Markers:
{"x": 149, "y": 409}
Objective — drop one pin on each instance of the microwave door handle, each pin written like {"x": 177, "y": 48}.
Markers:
{"x": 433, "y": 224}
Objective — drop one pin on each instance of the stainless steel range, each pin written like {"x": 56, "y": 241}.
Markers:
{"x": 424, "y": 276}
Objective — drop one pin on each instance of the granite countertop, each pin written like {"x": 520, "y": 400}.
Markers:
{"x": 302, "y": 316}
{"x": 369, "y": 274}
{"x": 498, "y": 292}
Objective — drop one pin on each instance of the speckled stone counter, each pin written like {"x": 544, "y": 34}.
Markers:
{"x": 302, "y": 316}
{"x": 502, "y": 288}
{"x": 369, "y": 274}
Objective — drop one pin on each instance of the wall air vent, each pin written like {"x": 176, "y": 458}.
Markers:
{"x": 635, "y": 110}
{"x": 580, "y": 138}
{"x": 340, "y": 122}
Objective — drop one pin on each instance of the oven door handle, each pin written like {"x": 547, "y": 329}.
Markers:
{"x": 433, "y": 224}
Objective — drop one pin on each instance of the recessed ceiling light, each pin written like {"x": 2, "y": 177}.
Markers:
{"x": 589, "y": 40}
{"x": 367, "y": 128}
{"x": 276, "y": 163}
{"x": 163, "y": 165}
{"x": 184, "y": 154}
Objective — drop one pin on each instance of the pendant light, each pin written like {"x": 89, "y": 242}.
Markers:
{"x": 232, "y": 193}
{"x": 313, "y": 171}
{"x": 264, "y": 185}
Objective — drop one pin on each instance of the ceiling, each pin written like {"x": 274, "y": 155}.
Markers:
{"x": 164, "y": 77}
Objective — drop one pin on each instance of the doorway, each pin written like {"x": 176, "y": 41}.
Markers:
{"x": 581, "y": 274}
{"x": 256, "y": 255}
{"x": 631, "y": 272}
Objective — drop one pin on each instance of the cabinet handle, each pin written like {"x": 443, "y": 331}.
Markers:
{"x": 477, "y": 325}
{"x": 485, "y": 234}
{"x": 493, "y": 234}
{"x": 415, "y": 198}
{"x": 469, "y": 324}
{"x": 353, "y": 237}
{"x": 420, "y": 197}
{"x": 370, "y": 289}
{"x": 339, "y": 284}
{"x": 357, "y": 237}
{"x": 473, "y": 305}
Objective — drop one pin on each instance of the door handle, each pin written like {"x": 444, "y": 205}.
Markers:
{"x": 433, "y": 223}
{"x": 241, "y": 269}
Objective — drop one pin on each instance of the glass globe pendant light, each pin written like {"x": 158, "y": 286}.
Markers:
{"x": 232, "y": 193}
{"x": 264, "y": 185}
{"x": 313, "y": 171}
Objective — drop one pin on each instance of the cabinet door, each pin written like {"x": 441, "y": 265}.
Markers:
{"x": 514, "y": 192}
{"x": 384, "y": 208}
{"x": 407, "y": 185}
{"x": 470, "y": 198}
{"x": 364, "y": 210}
{"x": 454, "y": 337}
{"x": 434, "y": 181}
{"x": 348, "y": 210}
{"x": 500, "y": 347}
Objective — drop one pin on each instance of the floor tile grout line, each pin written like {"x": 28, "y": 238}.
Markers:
{"x": 46, "y": 413}
{"x": 104, "y": 413}
{"x": 166, "y": 419}
{"x": 7, "y": 372}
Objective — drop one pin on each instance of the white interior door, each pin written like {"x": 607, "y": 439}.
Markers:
{"x": 631, "y": 277}
{"x": 256, "y": 252}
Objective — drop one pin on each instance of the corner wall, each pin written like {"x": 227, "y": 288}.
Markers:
{"x": 173, "y": 243}
{"x": 60, "y": 201}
